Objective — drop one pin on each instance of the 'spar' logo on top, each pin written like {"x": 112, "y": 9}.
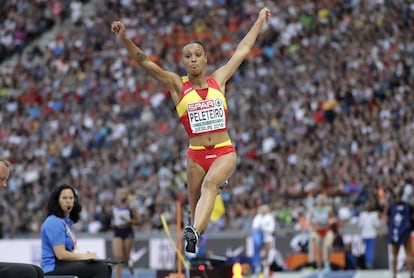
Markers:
{"x": 200, "y": 105}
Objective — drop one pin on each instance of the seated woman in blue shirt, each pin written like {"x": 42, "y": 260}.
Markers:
{"x": 59, "y": 241}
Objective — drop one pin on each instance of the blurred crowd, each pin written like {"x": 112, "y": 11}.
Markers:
{"x": 323, "y": 104}
{"x": 24, "y": 21}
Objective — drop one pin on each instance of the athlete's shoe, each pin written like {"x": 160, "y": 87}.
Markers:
{"x": 326, "y": 267}
{"x": 191, "y": 240}
{"x": 223, "y": 185}
{"x": 131, "y": 267}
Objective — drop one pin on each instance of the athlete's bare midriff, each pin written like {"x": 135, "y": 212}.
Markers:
{"x": 210, "y": 139}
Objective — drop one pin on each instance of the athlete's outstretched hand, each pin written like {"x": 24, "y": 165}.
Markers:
{"x": 264, "y": 14}
{"x": 118, "y": 28}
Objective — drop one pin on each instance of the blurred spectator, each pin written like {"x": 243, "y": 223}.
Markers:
{"x": 408, "y": 192}
{"x": 24, "y": 21}
{"x": 369, "y": 224}
{"x": 263, "y": 229}
{"x": 322, "y": 220}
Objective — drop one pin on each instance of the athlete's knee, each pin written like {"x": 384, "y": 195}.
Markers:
{"x": 210, "y": 184}
{"x": 328, "y": 241}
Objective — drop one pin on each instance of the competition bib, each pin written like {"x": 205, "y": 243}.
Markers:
{"x": 206, "y": 115}
{"x": 121, "y": 216}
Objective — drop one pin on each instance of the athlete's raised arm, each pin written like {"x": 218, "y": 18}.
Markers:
{"x": 225, "y": 72}
{"x": 171, "y": 80}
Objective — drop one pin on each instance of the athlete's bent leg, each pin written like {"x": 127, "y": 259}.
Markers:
{"x": 327, "y": 248}
{"x": 394, "y": 253}
{"x": 128, "y": 244}
{"x": 117, "y": 250}
{"x": 219, "y": 172}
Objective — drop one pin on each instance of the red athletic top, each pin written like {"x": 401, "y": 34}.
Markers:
{"x": 200, "y": 112}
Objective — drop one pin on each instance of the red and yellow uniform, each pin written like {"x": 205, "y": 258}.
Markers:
{"x": 203, "y": 111}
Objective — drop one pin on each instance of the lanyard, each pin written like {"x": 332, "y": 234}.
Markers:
{"x": 72, "y": 235}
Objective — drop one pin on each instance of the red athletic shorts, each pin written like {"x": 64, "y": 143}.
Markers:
{"x": 322, "y": 231}
{"x": 206, "y": 155}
